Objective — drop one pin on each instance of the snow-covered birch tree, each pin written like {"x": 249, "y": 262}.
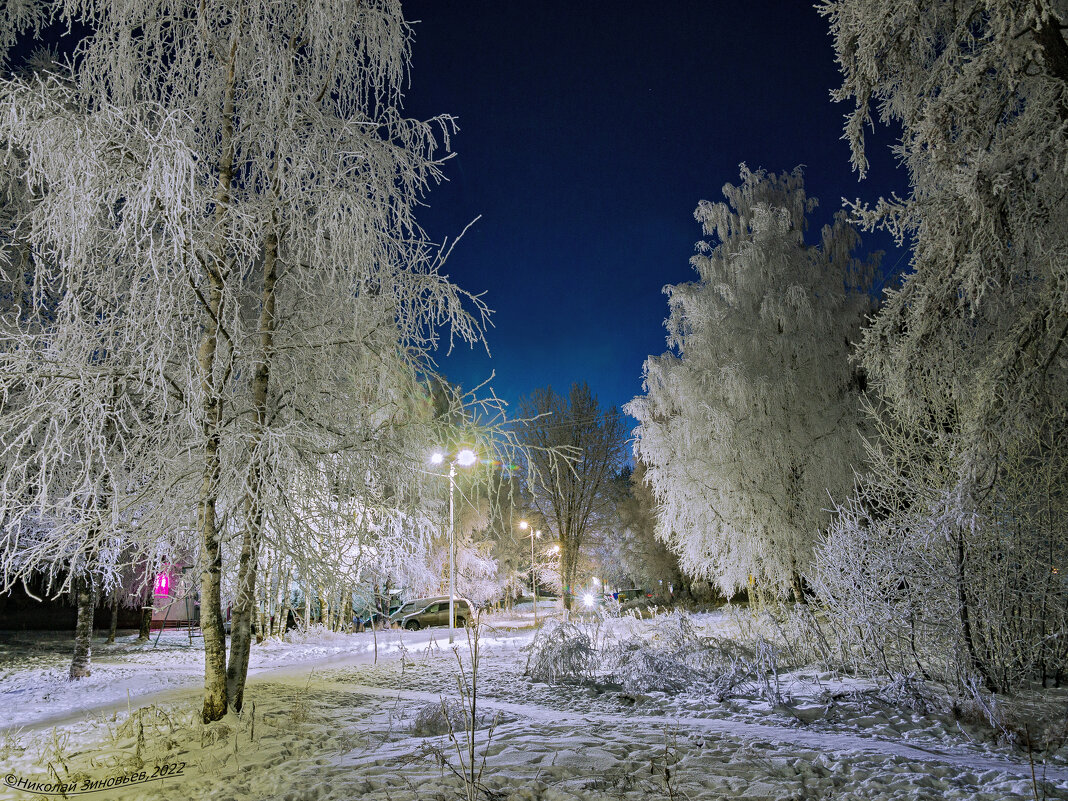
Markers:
{"x": 286, "y": 283}
{"x": 751, "y": 418}
{"x": 83, "y": 435}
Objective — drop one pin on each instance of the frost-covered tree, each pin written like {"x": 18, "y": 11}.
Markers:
{"x": 927, "y": 578}
{"x": 980, "y": 91}
{"x": 256, "y": 183}
{"x": 574, "y": 447}
{"x": 18, "y": 16}
{"x": 968, "y": 356}
{"x": 81, "y": 436}
{"x": 751, "y": 419}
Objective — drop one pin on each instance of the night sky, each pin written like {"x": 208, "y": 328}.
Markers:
{"x": 589, "y": 131}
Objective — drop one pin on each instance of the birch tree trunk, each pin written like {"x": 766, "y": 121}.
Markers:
{"x": 283, "y": 605}
{"x": 83, "y": 629}
{"x": 146, "y": 615}
{"x": 241, "y": 641}
{"x": 346, "y": 613}
{"x": 259, "y": 618}
{"x": 270, "y": 597}
{"x": 211, "y": 617}
{"x": 568, "y": 566}
{"x": 283, "y": 619}
{"x": 114, "y": 616}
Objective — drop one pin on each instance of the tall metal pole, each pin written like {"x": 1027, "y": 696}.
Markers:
{"x": 452, "y": 556}
{"x": 533, "y": 577}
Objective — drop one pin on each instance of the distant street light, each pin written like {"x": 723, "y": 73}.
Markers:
{"x": 464, "y": 458}
{"x": 523, "y": 524}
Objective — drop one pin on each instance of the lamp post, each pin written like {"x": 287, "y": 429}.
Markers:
{"x": 464, "y": 458}
{"x": 524, "y": 525}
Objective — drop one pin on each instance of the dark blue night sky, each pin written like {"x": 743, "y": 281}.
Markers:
{"x": 589, "y": 131}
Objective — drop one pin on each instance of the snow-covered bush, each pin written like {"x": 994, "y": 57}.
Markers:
{"x": 561, "y": 652}
{"x": 676, "y": 633}
{"x": 910, "y": 691}
{"x": 640, "y": 668}
{"x": 931, "y": 578}
{"x": 441, "y": 717}
{"x": 668, "y": 656}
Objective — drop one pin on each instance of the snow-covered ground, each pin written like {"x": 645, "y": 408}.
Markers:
{"x": 324, "y": 720}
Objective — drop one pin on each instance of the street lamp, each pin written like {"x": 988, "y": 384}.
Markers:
{"x": 524, "y": 525}
{"x": 464, "y": 458}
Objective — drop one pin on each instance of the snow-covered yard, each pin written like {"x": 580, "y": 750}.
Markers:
{"x": 324, "y": 720}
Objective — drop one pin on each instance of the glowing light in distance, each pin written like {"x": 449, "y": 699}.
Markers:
{"x": 588, "y": 599}
{"x": 466, "y": 458}
{"x": 437, "y": 458}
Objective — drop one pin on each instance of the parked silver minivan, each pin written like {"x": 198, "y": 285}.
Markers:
{"x": 425, "y": 612}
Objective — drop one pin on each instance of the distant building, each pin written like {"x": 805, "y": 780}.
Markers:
{"x": 175, "y": 598}
{"x": 35, "y": 610}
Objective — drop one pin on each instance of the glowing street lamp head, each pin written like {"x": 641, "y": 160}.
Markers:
{"x": 523, "y": 524}
{"x": 437, "y": 458}
{"x": 466, "y": 458}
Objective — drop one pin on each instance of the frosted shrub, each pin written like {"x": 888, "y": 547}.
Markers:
{"x": 670, "y": 660}
{"x": 947, "y": 583}
{"x": 623, "y": 627}
{"x": 677, "y": 634}
{"x": 909, "y": 691}
{"x": 440, "y": 717}
{"x": 639, "y": 669}
{"x": 797, "y": 636}
{"x": 561, "y": 652}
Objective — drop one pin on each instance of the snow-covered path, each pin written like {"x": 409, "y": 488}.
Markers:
{"x": 35, "y": 694}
